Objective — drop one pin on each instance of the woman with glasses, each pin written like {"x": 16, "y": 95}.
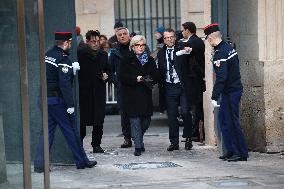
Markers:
{"x": 138, "y": 74}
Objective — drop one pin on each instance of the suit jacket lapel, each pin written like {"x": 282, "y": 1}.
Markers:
{"x": 164, "y": 60}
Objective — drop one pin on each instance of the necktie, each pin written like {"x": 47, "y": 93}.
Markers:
{"x": 171, "y": 64}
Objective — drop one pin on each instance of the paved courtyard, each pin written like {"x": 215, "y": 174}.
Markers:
{"x": 157, "y": 168}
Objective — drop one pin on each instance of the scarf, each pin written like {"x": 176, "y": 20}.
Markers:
{"x": 143, "y": 58}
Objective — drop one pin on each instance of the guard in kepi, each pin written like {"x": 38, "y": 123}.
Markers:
{"x": 60, "y": 72}
{"x": 228, "y": 87}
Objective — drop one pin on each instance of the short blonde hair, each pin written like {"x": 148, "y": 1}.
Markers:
{"x": 136, "y": 39}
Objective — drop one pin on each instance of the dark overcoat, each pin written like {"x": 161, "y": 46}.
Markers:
{"x": 194, "y": 69}
{"x": 137, "y": 96}
{"x": 92, "y": 89}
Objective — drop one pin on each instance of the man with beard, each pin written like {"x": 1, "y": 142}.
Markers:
{"x": 92, "y": 88}
{"x": 61, "y": 111}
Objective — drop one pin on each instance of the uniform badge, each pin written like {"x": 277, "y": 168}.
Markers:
{"x": 65, "y": 69}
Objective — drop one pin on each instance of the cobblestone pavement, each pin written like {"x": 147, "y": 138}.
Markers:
{"x": 157, "y": 168}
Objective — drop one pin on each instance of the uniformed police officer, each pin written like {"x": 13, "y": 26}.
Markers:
{"x": 229, "y": 87}
{"x": 59, "y": 76}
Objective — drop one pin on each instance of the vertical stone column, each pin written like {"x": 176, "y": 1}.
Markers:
{"x": 271, "y": 43}
{"x": 243, "y": 30}
{"x": 199, "y": 12}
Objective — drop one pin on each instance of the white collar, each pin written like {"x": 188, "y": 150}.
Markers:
{"x": 171, "y": 48}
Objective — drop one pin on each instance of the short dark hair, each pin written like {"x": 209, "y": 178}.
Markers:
{"x": 170, "y": 30}
{"x": 105, "y": 43}
{"x": 103, "y": 36}
{"x": 189, "y": 26}
{"x": 117, "y": 25}
{"x": 92, "y": 33}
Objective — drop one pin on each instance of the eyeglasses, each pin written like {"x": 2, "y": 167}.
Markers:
{"x": 140, "y": 45}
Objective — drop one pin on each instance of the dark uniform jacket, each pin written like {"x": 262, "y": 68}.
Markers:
{"x": 226, "y": 65}
{"x": 92, "y": 89}
{"x": 162, "y": 68}
{"x": 194, "y": 69}
{"x": 59, "y": 75}
{"x": 137, "y": 96}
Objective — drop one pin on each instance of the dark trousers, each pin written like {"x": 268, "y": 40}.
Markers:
{"x": 139, "y": 125}
{"x": 125, "y": 125}
{"x": 175, "y": 96}
{"x": 229, "y": 123}
{"x": 198, "y": 115}
{"x": 97, "y": 134}
{"x": 57, "y": 115}
{"x": 125, "y": 122}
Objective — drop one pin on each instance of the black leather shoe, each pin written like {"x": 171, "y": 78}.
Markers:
{"x": 188, "y": 144}
{"x": 81, "y": 167}
{"x": 235, "y": 158}
{"x": 90, "y": 164}
{"x": 143, "y": 149}
{"x": 98, "y": 149}
{"x": 225, "y": 157}
{"x": 137, "y": 152}
{"x": 127, "y": 143}
{"x": 173, "y": 147}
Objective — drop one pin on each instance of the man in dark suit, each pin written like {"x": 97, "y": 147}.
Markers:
{"x": 172, "y": 90}
{"x": 115, "y": 61}
{"x": 195, "y": 69}
{"x": 92, "y": 88}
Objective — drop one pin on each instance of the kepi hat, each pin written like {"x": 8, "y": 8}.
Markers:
{"x": 211, "y": 28}
{"x": 62, "y": 35}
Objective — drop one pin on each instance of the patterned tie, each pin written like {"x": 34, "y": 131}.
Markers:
{"x": 171, "y": 64}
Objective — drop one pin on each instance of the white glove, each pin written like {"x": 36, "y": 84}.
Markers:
{"x": 76, "y": 67}
{"x": 182, "y": 52}
{"x": 214, "y": 103}
{"x": 139, "y": 78}
{"x": 70, "y": 110}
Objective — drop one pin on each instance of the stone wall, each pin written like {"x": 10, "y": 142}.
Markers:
{"x": 256, "y": 28}
{"x": 95, "y": 15}
{"x": 243, "y": 31}
{"x": 271, "y": 42}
